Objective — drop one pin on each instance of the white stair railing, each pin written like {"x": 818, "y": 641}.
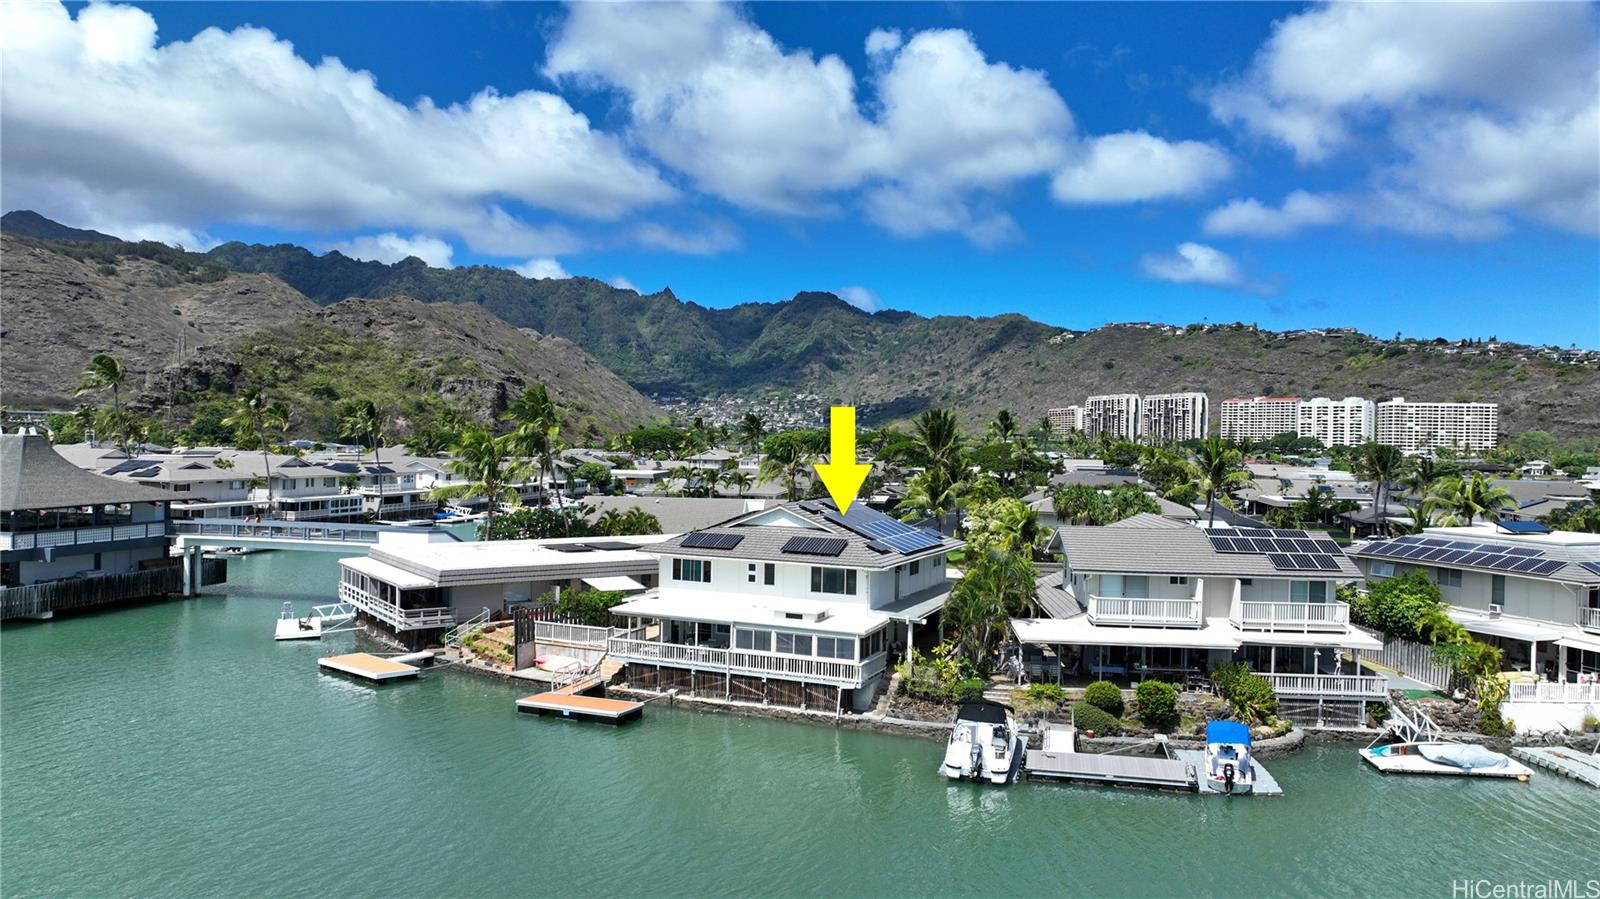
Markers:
{"x": 453, "y": 636}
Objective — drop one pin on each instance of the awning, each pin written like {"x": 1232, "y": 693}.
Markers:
{"x": 1078, "y": 631}
{"x": 1585, "y": 642}
{"x": 614, "y": 582}
{"x": 1349, "y": 638}
{"x": 1508, "y": 626}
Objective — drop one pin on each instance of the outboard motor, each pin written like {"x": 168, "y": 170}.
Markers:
{"x": 977, "y": 759}
{"x": 1227, "y": 777}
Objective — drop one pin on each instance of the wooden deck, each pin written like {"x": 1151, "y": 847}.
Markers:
{"x": 571, "y": 702}
{"x": 368, "y": 667}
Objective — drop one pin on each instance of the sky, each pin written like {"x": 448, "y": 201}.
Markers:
{"x": 1422, "y": 169}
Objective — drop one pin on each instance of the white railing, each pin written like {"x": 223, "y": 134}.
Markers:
{"x": 1364, "y": 686}
{"x": 1154, "y": 612}
{"x": 1589, "y": 619}
{"x": 394, "y": 616}
{"x": 320, "y": 532}
{"x": 1547, "y": 691}
{"x": 745, "y": 661}
{"x": 562, "y": 632}
{"x": 1291, "y": 616}
{"x": 81, "y": 536}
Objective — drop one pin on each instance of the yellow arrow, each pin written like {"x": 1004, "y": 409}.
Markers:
{"x": 842, "y": 474}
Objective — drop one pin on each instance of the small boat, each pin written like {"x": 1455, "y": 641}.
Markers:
{"x": 1228, "y": 765}
{"x": 1444, "y": 757}
{"x": 984, "y": 745}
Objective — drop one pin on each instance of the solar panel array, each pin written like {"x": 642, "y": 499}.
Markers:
{"x": 712, "y": 540}
{"x": 1464, "y": 553}
{"x": 897, "y": 535}
{"x": 1286, "y": 548}
{"x": 130, "y": 465}
{"x": 1592, "y": 566}
{"x": 1512, "y": 526}
{"x": 814, "y": 546}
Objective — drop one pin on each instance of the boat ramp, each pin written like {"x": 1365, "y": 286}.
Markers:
{"x": 1176, "y": 770}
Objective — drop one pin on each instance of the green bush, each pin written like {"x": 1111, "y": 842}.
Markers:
{"x": 1492, "y": 723}
{"x": 1158, "y": 704}
{"x": 1105, "y": 696}
{"x": 968, "y": 690}
{"x": 1251, "y": 695}
{"x": 592, "y": 607}
{"x": 1047, "y": 693}
{"x": 1088, "y": 717}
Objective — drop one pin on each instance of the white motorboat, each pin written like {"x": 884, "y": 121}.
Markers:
{"x": 1444, "y": 757}
{"x": 984, "y": 745}
{"x": 1229, "y": 768}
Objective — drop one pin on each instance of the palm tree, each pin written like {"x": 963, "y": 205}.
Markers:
{"x": 1004, "y": 426}
{"x": 610, "y": 523}
{"x": 1426, "y": 472}
{"x": 736, "y": 480}
{"x": 1465, "y": 499}
{"x": 490, "y": 468}
{"x": 362, "y": 421}
{"x": 105, "y": 372}
{"x": 1078, "y": 504}
{"x": 932, "y": 494}
{"x": 938, "y": 439}
{"x": 751, "y": 430}
{"x": 787, "y": 462}
{"x": 252, "y": 411}
{"x": 1381, "y": 463}
{"x": 997, "y": 587}
{"x": 538, "y": 421}
{"x": 1220, "y": 472}
{"x": 685, "y": 476}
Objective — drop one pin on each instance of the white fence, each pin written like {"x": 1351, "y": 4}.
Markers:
{"x": 1291, "y": 616}
{"x": 1329, "y": 685}
{"x": 1547, "y": 691}
{"x": 1414, "y": 660}
{"x": 742, "y": 661}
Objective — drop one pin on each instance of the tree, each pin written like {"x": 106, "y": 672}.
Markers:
{"x": 788, "y": 458}
{"x": 736, "y": 480}
{"x": 996, "y": 587}
{"x": 1128, "y": 500}
{"x": 751, "y": 430}
{"x": 1004, "y": 428}
{"x": 105, "y": 372}
{"x": 591, "y": 607}
{"x": 1426, "y": 473}
{"x": 618, "y": 523}
{"x": 362, "y": 421}
{"x": 537, "y": 421}
{"x": 938, "y": 439}
{"x": 1584, "y": 518}
{"x": 491, "y": 471}
{"x": 931, "y": 494}
{"x": 1220, "y": 471}
{"x": 254, "y": 412}
{"x": 596, "y": 475}
{"x": 1004, "y": 525}
{"x": 1463, "y": 500}
{"x": 1382, "y": 464}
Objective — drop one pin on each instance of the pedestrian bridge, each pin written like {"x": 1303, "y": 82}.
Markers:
{"x": 191, "y": 536}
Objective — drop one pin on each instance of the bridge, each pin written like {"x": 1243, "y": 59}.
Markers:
{"x": 191, "y": 536}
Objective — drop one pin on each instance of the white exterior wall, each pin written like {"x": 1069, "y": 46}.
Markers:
{"x": 1116, "y": 415}
{"x": 1419, "y": 426}
{"x": 1065, "y": 421}
{"x": 1174, "y": 416}
{"x": 1351, "y": 421}
{"x": 1259, "y": 418}
{"x": 874, "y": 589}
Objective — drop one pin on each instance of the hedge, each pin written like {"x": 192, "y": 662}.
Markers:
{"x": 1088, "y": 717}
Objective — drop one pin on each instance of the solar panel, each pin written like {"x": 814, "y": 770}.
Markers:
{"x": 130, "y": 465}
{"x": 1307, "y": 546}
{"x": 1255, "y": 532}
{"x": 1591, "y": 566}
{"x": 1302, "y": 561}
{"x": 1435, "y": 554}
{"x": 1281, "y": 561}
{"x": 712, "y": 540}
{"x": 1454, "y": 556}
{"x": 1285, "y": 545}
{"x": 814, "y": 546}
{"x": 146, "y": 473}
{"x": 1289, "y": 533}
{"x": 1326, "y": 563}
{"x": 877, "y": 547}
{"x": 1521, "y": 551}
{"x": 1434, "y": 541}
{"x": 1415, "y": 552}
{"x": 1329, "y": 547}
{"x": 1222, "y": 532}
{"x": 1467, "y": 545}
{"x": 897, "y": 534}
{"x": 1504, "y": 563}
{"x": 1221, "y": 544}
{"x": 1522, "y": 527}
{"x": 1546, "y": 566}
{"x": 1527, "y": 565}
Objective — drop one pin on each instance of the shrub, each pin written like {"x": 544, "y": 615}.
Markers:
{"x": 1158, "y": 704}
{"x": 1251, "y": 695}
{"x": 1492, "y": 723}
{"x": 1378, "y": 711}
{"x": 1104, "y": 695}
{"x": 1088, "y": 717}
{"x": 592, "y": 607}
{"x": 968, "y": 690}
{"x": 1051, "y": 693}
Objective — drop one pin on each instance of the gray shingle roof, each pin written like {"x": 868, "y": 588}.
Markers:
{"x": 764, "y": 543}
{"x": 1573, "y": 555}
{"x": 34, "y": 476}
{"x": 1181, "y": 551}
{"x": 677, "y": 514}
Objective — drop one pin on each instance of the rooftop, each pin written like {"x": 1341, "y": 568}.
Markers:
{"x": 812, "y": 532}
{"x": 34, "y": 476}
{"x": 1191, "y": 551}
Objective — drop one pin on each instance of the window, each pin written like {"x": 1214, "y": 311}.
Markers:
{"x": 1497, "y": 589}
{"x": 794, "y": 644}
{"x": 1447, "y": 577}
{"x": 180, "y": 488}
{"x": 752, "y": 572}
{"x": 836, "y": 647}
{"x": 1179, "y": 581}
{"x": 1381, "y": 569}
{"x": 769, "y": 574}
{"x": 760, "y": 641}
{"x": 1133, "y": 586}
{"x": 1245, "y": 582}
{"x": 1308, "y": 591}
{"x": 916, "y": 565}
{"x": 833, "y": 580}
{"x": 691, "y": 570}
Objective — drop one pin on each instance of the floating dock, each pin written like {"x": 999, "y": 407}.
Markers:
{"x": 1580, "y": 766}
{"x": 570, "y": 701}
{"x": 1060, "y": 760}
{"x": 1414, "y": 763}
{"x": 374, "y": 668}
{"x": 1266, "y": 784}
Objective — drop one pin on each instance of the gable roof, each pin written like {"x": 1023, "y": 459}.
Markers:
{"x": 34, "y": 476}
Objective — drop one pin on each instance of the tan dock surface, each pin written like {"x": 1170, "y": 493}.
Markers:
{"x": 576, "y": 705}
{"x": 368, "y": 666}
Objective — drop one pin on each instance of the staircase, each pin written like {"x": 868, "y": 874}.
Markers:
{"x": 453, "y": 636}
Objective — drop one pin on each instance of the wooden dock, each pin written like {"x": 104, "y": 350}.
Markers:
{"x": 1576, "y": 764}
{"x": 571, "y": 701}
{"x": 368, "y": 667}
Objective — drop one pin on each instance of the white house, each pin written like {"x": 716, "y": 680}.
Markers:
{"x": 793, "y": 605}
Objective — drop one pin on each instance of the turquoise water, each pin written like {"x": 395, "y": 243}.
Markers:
{"x": 175, "y": 750}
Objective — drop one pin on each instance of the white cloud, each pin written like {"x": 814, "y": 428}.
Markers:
{"x": 1196, "y": 263}
{"x": 1473, "y": 110}
{"x": 883, "y": 40}
{"x": 235, "y": 126}
{"x": 716, "y": 237}
{"x": 1252, "y": 218}
{"x": 390, "y": 248}
{"x": 622, "y": 283}
{"x": 861, "y": 298}
{"x": 540, "y": 269}
{"x": 1134, "y": 166}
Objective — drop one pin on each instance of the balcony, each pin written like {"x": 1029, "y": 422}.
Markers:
{"x": 1127, "y": 611}
{"x": 1589, "y": 619}
{"x": 394, "y": 616}
{"x": 837, "y": 672}
{"x": 81, "y": 536}
{"x": 1329, "y": 686}
{"x": 1290, "y": 616}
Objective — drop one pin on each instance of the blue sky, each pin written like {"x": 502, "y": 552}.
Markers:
{"x": 1418, "y": 168}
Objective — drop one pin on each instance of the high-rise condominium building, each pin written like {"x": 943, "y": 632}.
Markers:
{"x": 1064, "y": 421}
{"x": 1173, "y": 416}
{"x": 1347, "y": 422}
{"x": 1419, "y": 426}
{"x": 1115, "y": 415}
{"x": 1259, "y": 418}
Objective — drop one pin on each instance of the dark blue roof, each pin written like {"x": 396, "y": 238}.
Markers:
{"x": 1511, "y": 526}
{"x": 1227, "y": 732}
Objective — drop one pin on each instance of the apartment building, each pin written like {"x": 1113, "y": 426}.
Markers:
{"x": 1419, "y": 426}
{"x": 1174, "y": 416}
{"x": 1065, "y": 421}
{"x": 1115, "y": 415}
{"x": 1347, "y": 422}
{"x": 1259, "y": 418}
